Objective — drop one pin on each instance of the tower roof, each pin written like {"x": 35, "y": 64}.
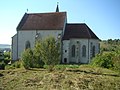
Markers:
{"x": 57, "y": 8}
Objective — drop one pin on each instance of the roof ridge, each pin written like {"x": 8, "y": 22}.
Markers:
{"x": 47, "y": 13}
{"x": 75, "y": 23}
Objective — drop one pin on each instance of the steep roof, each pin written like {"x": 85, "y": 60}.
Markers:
{"x": 78, "y": 31}
{"x": 42, "y": 21}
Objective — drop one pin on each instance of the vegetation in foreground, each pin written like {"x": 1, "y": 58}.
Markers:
{"x": 102, "y": 74}
{"x": 70, "y": 78}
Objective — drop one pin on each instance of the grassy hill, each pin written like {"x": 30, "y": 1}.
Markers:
{"x": 82, "y": 78}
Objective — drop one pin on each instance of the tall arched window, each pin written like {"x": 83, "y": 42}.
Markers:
{"x": 83, "y": 51}
{"x": 93, "y": 51}
{"x": 73, "y": 50}
{"x": 27, "y": 44}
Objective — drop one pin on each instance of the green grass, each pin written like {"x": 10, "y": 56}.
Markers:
{"x": 82, "y": 77}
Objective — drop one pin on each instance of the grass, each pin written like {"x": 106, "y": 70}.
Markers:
{"x": 83, "y": 77}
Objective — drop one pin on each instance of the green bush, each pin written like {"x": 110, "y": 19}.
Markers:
{"x": 116, "y": 61}
{"x": 110, "y": 60}
{"x": 103, "y": 60}
{"x": 27, "y": 57}
{"x": 2, "y": 65}
{"x": 16, "y": 64}
{"x": 31, "y": 59}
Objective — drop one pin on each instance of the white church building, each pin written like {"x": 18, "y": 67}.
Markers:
{"x": 78, "y": 42}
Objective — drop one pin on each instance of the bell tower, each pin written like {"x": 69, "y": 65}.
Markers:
{"x": 57, "y": 8}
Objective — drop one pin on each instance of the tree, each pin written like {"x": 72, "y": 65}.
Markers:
{"x": 37, "y": 55}
{"x": 50, "y": 51}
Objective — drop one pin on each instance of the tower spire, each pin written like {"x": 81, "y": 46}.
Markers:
{"x": 57, "y": 9}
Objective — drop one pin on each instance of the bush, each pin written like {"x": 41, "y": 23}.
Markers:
{"x": 116, "y": 61}
{"x": 110, "y": 60}
{"x": 103, "y": 60}
{"x": 27, "y": 57}
{"x": 2, "y": 65}
{"x": 31, "y": 59}
{"x": 16, "y": 64}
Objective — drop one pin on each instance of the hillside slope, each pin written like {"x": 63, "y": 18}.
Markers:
{"x": 82, "y": 78}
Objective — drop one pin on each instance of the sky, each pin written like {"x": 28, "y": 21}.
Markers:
{"x": 102, "y": 16}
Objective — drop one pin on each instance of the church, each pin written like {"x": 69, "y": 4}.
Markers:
{"x": 78, "y": 42}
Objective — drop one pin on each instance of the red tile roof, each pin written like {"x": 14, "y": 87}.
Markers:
{"x": 42, "y": 21}
{"x": 78, "y": 31}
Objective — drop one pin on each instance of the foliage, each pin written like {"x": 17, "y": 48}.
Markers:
{"x": 37, "y": 55}
{"x": 2, "y": 65}
{"x": 110, "y": 45}
{"x": 116, "y": 60}
{"x": 7, "y": 55}
{"x": 110, "y": 60}
{"x": 14, "y": 65}
{"x": 50, "y": 51}
{"x": 27, "y": 57}
{"x": 31, "y": 58}
{"x": 104, "y": 60}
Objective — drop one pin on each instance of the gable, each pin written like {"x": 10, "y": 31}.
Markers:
{"x": 78, "y": 31}
{"x": 42, "y": 21}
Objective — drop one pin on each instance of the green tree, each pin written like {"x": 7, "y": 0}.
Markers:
{"x": 50, "y": 51}
{"x": 37, "y": 55}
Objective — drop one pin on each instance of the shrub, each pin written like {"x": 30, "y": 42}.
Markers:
{"x": 103, "y": 60}
{"x": 27, "y": 57}
{"x": 16, "y": 64}
{"x": 2, "y": 65}
{"x": 109, "y": 60}
{"x": 31, "y": 58}
{"x": 116, "y": 61}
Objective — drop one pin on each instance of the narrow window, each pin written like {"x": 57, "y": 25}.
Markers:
{"x": 83, "y": 51}
{"x": 93, "y": 51}
{"x": 27, "y": 45}
{"x": 65, "y": 60}
{"x": 73, "y": 50}
{"x": 65, "y": 50}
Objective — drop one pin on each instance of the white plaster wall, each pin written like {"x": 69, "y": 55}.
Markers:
{"x": 66, "y": 47}
{"x": 87, "y": 42}
{"x": 29, "y": 35}
{"x": 47, "y": 33}
{"x": 24, "y": 36}
{"x": 78, "y": 58}
{"x": 14, "y": 47}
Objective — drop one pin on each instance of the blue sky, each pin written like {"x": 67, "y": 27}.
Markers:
{"x": 102, "y": 16}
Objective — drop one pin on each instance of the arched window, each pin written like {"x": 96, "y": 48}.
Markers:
{"x": 27, "y": 45}
{"x": 93, "y": 51}
{"x": 73, "y": 50}
{"x": 83, "y": 51}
